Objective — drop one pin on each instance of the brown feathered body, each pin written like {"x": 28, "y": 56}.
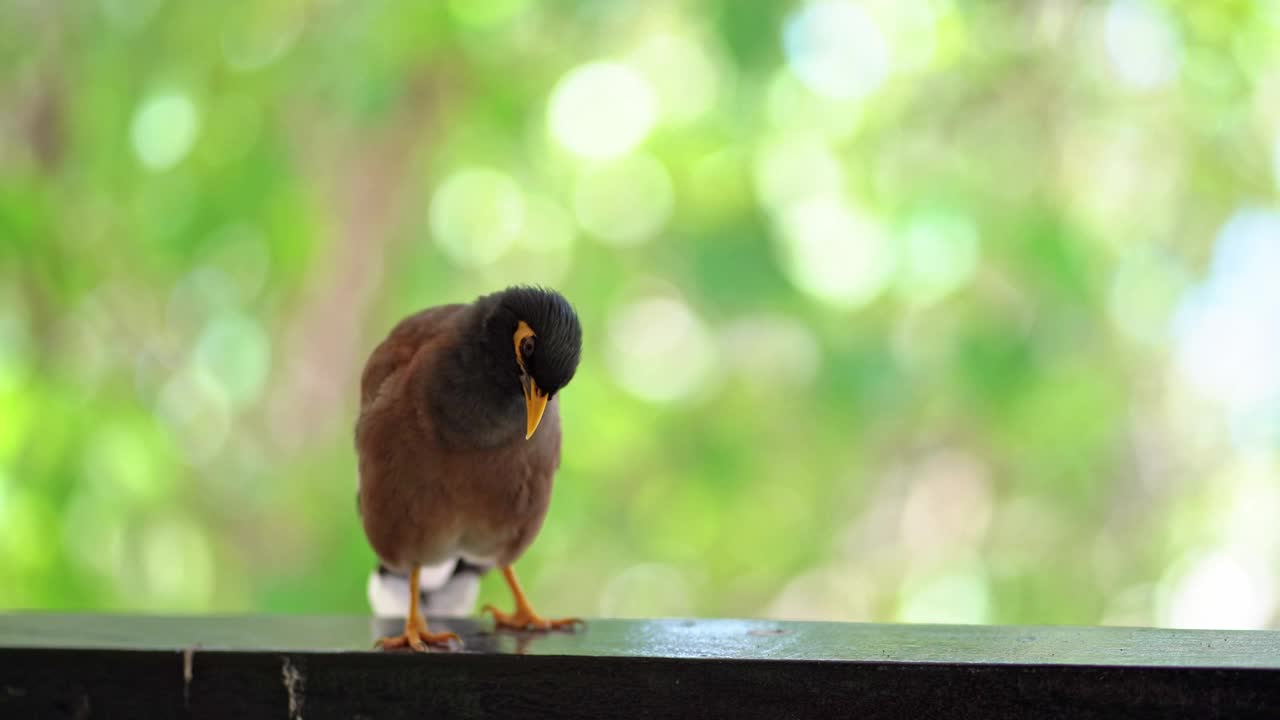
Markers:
{"x": 445, "y": 469}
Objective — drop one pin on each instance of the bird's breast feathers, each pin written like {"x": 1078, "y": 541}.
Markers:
{"x": 423, "y": 502}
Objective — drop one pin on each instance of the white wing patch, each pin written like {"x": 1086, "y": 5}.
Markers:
{"x": 447, "y": 595}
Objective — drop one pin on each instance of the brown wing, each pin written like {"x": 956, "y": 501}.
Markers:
{"x": 390, "y": 359}
{"x": 395, "y": 352}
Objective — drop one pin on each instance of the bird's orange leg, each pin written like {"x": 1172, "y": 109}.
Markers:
{"x": 524, "y": 618}
{"x": 416, "y": 636}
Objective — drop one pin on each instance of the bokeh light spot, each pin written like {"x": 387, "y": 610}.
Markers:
{"x": 795, "y": 109}
{"x": 197, "y": 412}
{"x": 164, "y": 129}
{"x": 660, "y": 351}
{"x": 241, "y": 255}
{"x": 177, "y": 565}
{"x": 830, "y": 594}
{"x": 834, "y": 253}
{"x": 476, "y": 214}
{"x": 201, "y": 296}
{"x": 940, "y": 256}
{"x": 1144, "y": 291}
{"x": 542, "y": 252}
{"x": 960, "y": 597}
{"x": 912, "y": 25}
{"x": 1228, "y": 340}
{"x": 624, "y": 202}
{"x": 120, "y": 464}
{"x": 1141, "y": 44}
{"x": 601, "y": 110}
{"x": 1217, "y": 590}
{"x": 682, "y": 74}
{"x": 793, "y": 168}
{"x": 235, "y": 350}
{"x": 837, "y": 49}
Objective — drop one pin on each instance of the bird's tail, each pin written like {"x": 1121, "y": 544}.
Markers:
{"x": 445, "y": 590}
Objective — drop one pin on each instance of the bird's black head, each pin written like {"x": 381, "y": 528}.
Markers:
{"x": 540, "y": 330}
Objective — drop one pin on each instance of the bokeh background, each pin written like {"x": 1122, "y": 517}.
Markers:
{"x": 939, "y": 311}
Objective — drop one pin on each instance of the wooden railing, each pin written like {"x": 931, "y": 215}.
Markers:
{"x": 61, "y": 666}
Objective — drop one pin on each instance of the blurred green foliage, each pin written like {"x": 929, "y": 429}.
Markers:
{"x": 894, "y": 311}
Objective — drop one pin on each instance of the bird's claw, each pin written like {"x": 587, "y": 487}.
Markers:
{"x": 418, "y": 639}
{"x": 528, "y": 620}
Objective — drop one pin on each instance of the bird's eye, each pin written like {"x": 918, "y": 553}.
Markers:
{"x": 526, "y": 346}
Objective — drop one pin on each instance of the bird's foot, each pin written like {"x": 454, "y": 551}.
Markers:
{"x": 526, "y": 619}
{"x": 416, "y": 637}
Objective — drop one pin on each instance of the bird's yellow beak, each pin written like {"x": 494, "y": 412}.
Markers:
{"x": 535, "y": 400}
{"x": 535, "y": 403}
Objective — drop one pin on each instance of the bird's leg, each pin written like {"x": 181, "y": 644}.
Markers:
{"x": 524, "y": 618}
{"x": 416, "y": 636}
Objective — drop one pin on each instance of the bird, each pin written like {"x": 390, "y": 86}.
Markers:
{"x": 457, "y": 443}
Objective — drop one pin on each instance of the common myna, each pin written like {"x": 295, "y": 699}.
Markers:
{"x": 458, "y": 440}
